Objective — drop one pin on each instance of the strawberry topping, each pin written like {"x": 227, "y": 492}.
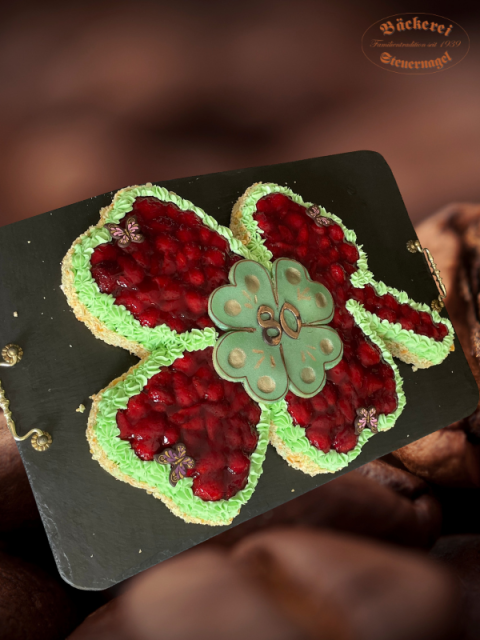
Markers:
{"x": 215, "y": 419}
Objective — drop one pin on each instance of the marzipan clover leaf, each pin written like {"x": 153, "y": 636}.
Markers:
{"x": 276, "y": 336}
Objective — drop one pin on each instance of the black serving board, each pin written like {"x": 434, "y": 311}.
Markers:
{"x": 101, "y": 530}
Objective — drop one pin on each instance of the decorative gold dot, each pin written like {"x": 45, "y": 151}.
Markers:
{"x": 320, "y": 300}
{"x": 308, "y": 375}
{"x": 266, "y": 384}
{"x": 293, "y": 275}
{"x": 252, "y": 283}
{"x": 232, "y": 308}
{"x": 326, "y": 346}
{"x": 237, "y": 358}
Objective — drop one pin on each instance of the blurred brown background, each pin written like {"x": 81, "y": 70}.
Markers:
{"x": 99, "y": 95}
{"x": 96, "y": 96}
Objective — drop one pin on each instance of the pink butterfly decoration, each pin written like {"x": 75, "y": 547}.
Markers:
{"x": 315, "y": 213}
{"x": 366, "y": 418}
{"x": 177, "y": 457}
{"x": 131, "y": 233}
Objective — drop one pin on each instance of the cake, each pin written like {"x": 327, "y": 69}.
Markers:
{"x": 271, "y": 331}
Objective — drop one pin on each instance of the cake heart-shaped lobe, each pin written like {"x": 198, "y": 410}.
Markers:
{"x": 167, "y": 278}
{"x": 174, "y": 398}
{"x": 146, "y": 289}
{"x": 215, "y": 419}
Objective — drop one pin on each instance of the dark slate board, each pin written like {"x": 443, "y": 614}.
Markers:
{"x": 97, "y": 525}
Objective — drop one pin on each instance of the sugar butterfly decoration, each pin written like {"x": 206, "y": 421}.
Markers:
{"x": 316, "y": 215}
{"x": 124, "y": 237}
{"x": 366, "y": 418}
{"x": 179, "y": 461}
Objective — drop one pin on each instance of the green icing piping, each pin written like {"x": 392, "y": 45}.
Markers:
{"x": 116, "y": 317}
{"x": 423, "y": 346}
{"x": 156, "y": 475}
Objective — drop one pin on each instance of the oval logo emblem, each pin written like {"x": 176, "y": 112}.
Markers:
{"x": 415, "y": 43}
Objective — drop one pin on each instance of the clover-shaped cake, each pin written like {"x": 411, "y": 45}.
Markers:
{"x": 273, "y": 331}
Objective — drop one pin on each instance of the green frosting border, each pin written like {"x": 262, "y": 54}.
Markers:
{"x": 116, "y": 317}
{"x": 156, "y": 475}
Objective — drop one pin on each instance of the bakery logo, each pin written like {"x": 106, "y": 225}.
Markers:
{"x": 415, "y": 43}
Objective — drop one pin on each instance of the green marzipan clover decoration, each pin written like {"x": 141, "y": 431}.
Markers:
{"x": 276, "y": 336}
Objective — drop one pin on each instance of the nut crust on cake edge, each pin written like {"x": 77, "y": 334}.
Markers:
{"x": 236, "y": 225}
{"x": 113, "y": 469}
{"x": 403, "y": 354}
{"x": 299, "y": 461}
{"x": 98, "y": 328}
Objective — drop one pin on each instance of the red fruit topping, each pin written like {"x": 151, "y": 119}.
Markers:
{"x": 214, "y": 392}
{"x": 442, "y": 331}
{"x": 215, "y": 419}
{"x": 390, "y": 302}
{"x": 170, "y": 436}
{"x": 345, "y": 440}
{"x": 299, "y": 410}
{"x": 137, "y": 407}
{"x": 216, "y": 277}
{"x": 166, "y": 243}
{"x": 319, "y": 403}
{"x": 214, "y": 257}
{"x": 387, "y": 314}
{"x": 372, "y": 383}
{"x": 356, "y": 374}
{"x": 131, "y": 302}
{"x": 131, "y": 270}
{"x": 346, "y": 407}
{"x": 337, "y": 273}
{"x": 212, "y": 461}
{"x": 195, "y": 258}
{"x": 104, "y": 253}
{"x": 338, "y": 373}
{"x": 187, "y": 364}
{"x": 330, "y": 394}
{"x": 407, "y": 324}
{"x": 159, "y": 395}
{"x": 335, "y": 232}
{"x": 197, "y": 303}
{"x": 105, "y": 277}
{"x": 385, "y": 371}
{"x": 196, "y": 277}
{"x": 320, "y": 433}
{"x": 238, "y": 462}
{"x": 209, "y": 487}
{"x": 149, "y": 318}
{"x": 368, "y": 354}
{"x": 126, "y": 430}
{"x": 349, "y": 252}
